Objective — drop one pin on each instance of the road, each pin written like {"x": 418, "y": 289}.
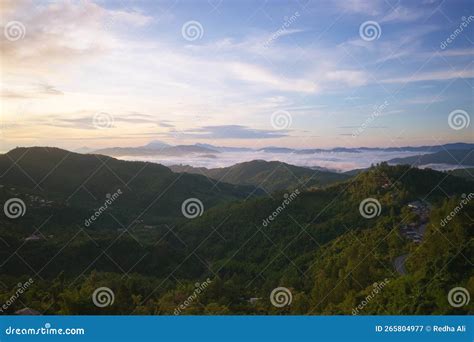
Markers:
{"x": 399, "y": 264}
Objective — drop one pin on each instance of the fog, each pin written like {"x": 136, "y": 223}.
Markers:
{"x": 338, "y": 161}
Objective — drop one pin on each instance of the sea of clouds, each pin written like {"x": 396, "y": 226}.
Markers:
{"x": 337, "y": 161}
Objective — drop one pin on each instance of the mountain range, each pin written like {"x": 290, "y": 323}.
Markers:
{"x": 157, "y": 148}
{"x": 142, "y": 247}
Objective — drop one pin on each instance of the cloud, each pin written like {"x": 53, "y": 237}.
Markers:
{"x": 37, "y": 90}
{"x": 369, "y": 7}
{"x": 61, "y": 32}
{"x": 353, "y": 78}
{"x": 256, "y": 74}
{"x": 81, "y": 120}
{"x": 230, "y": 132}
{"x": 431, "y": 76}
{"x": 402, "y": 14}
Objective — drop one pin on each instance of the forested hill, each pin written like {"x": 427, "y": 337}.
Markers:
{"x": 323, "y": 245}
{"x": 269, "y": 175}
{"x": 84, "y": 180}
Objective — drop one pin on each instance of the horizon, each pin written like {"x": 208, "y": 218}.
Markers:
{"x": 364, "y": 73}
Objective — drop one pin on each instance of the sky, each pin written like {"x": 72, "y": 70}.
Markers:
{"x": 247, "y": 73}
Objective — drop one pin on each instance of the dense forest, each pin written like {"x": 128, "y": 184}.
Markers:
{"x": 313, "y": 241}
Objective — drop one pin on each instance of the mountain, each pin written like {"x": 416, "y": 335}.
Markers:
{"x": 271, "y": 176}
{"x": 84, "y": 180}
{"x": 464, "y": 157}
{"x": 224, "y": 148}
{"x": 155, "y": 150}
{"x": 316, "y": 244}
{"x": 156, "y": 144}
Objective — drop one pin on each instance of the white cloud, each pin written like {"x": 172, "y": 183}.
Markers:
{"x": 431, "y": 76}
{"x": 256, "y": 74}
{"x": 402, "y": 14}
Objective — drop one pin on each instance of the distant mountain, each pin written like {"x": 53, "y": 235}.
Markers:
{"x": 271, "y": 176}
{"x": 464, "y": 157}
{"x": 224, "y": 148}
{"x": 155, "y": 150}
{"x": 85, "y": 180}
{"x": 158, "y": 148}
{"x": 156, "y": 144}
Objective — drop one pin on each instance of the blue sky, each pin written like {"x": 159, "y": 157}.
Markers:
{"x": 256, "y": 73}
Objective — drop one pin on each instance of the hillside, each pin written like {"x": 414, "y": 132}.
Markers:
{"x": 463, "y": 157}
{"x": 464, "y": 173}
{"x": 271, "y": 176}
{"x": 73, "y": 179}
{"x": 317, "y": 244}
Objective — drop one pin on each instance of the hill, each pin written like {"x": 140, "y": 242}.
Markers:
{"x": 464, "y": 173}
{"x": 463, "y": 157}
{"x": 83, "y": 181}
{"x": 270, "y": 176}
{"x": 315, "y": 243}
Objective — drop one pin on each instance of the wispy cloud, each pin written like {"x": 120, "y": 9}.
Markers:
{"x": 230, "y": 132}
